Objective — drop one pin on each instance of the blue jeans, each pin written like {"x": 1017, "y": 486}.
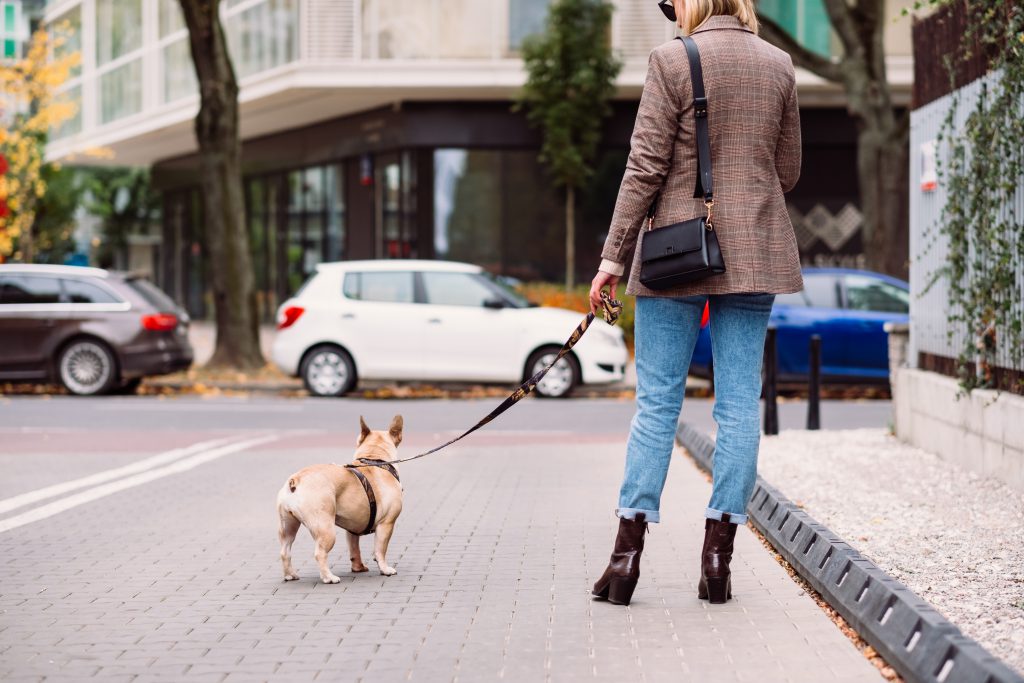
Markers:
{"x": 666, "y": 332}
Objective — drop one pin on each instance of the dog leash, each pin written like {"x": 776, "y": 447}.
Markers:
{"x": 610, "y": 310}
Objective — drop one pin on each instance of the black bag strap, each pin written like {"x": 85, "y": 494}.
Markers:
{"x": 705, "y": 186}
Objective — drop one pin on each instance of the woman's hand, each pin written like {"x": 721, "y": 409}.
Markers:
{"x": 601, "y": 280}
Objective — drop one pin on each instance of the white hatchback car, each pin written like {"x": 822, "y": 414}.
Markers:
{"x": 432, "y": 320}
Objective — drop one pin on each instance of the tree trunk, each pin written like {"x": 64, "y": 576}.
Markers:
{"x": 882, "y": 139}
{"x": 226, "y": 235}
{"x": 570, "y": 237}
{"x": 26, "y": 244}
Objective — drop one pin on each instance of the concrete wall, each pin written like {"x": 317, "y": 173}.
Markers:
{"x": 983, "y": 432}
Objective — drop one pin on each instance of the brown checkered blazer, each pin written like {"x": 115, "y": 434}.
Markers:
{"x": 755, "y": 148}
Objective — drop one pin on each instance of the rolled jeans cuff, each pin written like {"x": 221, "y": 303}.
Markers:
{"x": 733, "y": 517}
{"x": 652, "y": 516}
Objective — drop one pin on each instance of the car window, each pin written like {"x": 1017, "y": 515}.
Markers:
{"x": 389, "y": 287}
{"x": 865, "y": 293}
{"x": 29, "y": 289}
{"x": 820, "y": 291}
{"x": 152, "y": 294}
{"x": 457, "y": 289}
{"x": 81, "y": 292}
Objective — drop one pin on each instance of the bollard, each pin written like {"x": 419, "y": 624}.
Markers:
{"x": 771, "y": 371}
{"x": 814, "y": 384}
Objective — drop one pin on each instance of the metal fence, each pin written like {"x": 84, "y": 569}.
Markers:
{"x": 930, "y": 330}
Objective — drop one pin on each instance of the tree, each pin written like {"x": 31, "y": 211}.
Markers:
{"x": 29, "y": 86}
{"x": 227, "y": 239}
{"x": 571, "y": 75}
{"x": 882, "y": 131}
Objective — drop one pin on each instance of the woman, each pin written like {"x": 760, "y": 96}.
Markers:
{"x": 755, "y": 151}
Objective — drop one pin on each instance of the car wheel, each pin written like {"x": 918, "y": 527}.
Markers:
{"x": 560, "y": 380}
{"x": 328, "y": 371}
{"x": 86, "y": 367}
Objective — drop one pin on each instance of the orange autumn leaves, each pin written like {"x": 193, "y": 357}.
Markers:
{"x": 30, "y": 107}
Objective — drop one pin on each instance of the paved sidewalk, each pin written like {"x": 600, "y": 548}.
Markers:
{"x": 496, "y": 552}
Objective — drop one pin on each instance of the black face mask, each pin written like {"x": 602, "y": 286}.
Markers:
{"x": 668, "y": 9}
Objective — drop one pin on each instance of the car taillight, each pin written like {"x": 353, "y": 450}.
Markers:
{"x": 288, "y": 316}
{"x": 704, "y": 318}
{"x": 160, "y": 322}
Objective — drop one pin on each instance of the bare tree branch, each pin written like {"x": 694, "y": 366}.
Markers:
{"x": 802, "y": 57}
{"x": 841, "y": 14}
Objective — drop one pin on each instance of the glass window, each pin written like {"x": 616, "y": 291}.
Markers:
{"x": 388, "y": 287}
{"x": 525, "y": 18}
{"x": 80, "y": 292}
{"x": 121, "y": 91}
{"x": 263, "y": 36}
{"x": 820, "y": 291}
{"x": 334, "y": 247}
{"x": 73, "y": 124}
{"x": 457, "y": 289}
{"x": 171, "y": 18}
{"x": 865, "y": 293}
{"x": 152, "y": 294}
{"x": 29, "y": 289}
{"x": 70, "y": 26}
{"x": 10, "y": 18}
{"x": 179, "y": 74}
{"x": 11, "y": 49}
{"x": 118, "y": 28}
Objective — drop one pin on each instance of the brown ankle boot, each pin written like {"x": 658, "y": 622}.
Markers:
{"x": 617, "y": 583}
{"x": 715, "y": 578}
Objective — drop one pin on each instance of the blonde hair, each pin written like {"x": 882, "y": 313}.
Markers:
{"x": 696, "y": 12}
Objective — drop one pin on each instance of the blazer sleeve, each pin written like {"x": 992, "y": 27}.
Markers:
{"x": 650, "y": 157}
{"x": 788, "y": 149}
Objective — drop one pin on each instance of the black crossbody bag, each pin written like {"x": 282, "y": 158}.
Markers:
{"x": 684, "y": 252}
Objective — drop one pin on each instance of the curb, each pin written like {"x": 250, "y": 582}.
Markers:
{"x": 911, "y": 635}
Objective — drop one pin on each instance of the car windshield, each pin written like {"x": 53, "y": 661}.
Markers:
{"x": 152, "y": 294}
{"x": 504, "y": 290}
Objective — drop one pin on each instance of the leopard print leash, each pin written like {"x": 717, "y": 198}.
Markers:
{"x": 610, "y": 310}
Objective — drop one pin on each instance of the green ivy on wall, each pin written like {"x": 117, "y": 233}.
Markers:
{"x": 982, "y": 170}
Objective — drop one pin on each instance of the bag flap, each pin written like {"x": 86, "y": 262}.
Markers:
{"x": 673, "y": 240}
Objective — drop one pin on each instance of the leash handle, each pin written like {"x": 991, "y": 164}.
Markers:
{"x": 611, "y": 309}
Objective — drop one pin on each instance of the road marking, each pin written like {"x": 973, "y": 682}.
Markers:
{"x": 107, "y": 475}
{"x": 89, "y": 495}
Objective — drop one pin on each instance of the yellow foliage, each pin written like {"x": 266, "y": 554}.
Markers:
{"x": 30, "y": 85}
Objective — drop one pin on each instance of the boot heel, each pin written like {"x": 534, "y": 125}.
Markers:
{"x": 620, "y": 590}
{"x": 715, "y": 591}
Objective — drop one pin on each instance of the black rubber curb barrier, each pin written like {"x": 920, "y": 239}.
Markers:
{"x": 911, "y": 635}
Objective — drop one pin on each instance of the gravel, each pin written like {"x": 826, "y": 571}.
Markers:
{"x": 955, "y": 538}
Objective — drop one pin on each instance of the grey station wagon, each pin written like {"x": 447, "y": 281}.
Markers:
{"x": 94, "y": 331}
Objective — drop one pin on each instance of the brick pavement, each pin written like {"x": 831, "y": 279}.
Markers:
{"x": 179, "y": 579}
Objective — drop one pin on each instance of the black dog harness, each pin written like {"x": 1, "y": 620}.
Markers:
{"x": 371, "y": 499}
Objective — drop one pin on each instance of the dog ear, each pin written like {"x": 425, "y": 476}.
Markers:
{"x": 395, "y": 429}
{"x": 364, "y": 431}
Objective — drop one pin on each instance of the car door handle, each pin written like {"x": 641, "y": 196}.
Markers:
{"x": 348, "y": 316}
{"x": 434, "y": 321}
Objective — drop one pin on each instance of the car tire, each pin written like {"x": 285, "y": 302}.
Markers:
{"x": 86, "y": 367}
{"x": 328, "y": 370}
{"x": 562, "y": 378}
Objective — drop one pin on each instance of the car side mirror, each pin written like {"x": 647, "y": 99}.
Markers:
{"x": 495, "y": 304}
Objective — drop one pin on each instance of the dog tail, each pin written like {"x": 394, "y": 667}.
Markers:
{"x": 292, "y": 483}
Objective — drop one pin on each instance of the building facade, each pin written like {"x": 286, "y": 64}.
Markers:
{"x": 385, "y": 129}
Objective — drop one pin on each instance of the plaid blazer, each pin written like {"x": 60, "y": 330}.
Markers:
{"x": 754, "y": 125}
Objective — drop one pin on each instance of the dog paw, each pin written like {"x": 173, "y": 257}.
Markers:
{"x": 291, "y": 577}
{"x": 388, "y": 571}
{"x": 331, "y": 578}
{"x": 357, "y": 569}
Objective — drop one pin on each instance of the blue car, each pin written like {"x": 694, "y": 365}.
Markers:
{"x": 848, "y": 309}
